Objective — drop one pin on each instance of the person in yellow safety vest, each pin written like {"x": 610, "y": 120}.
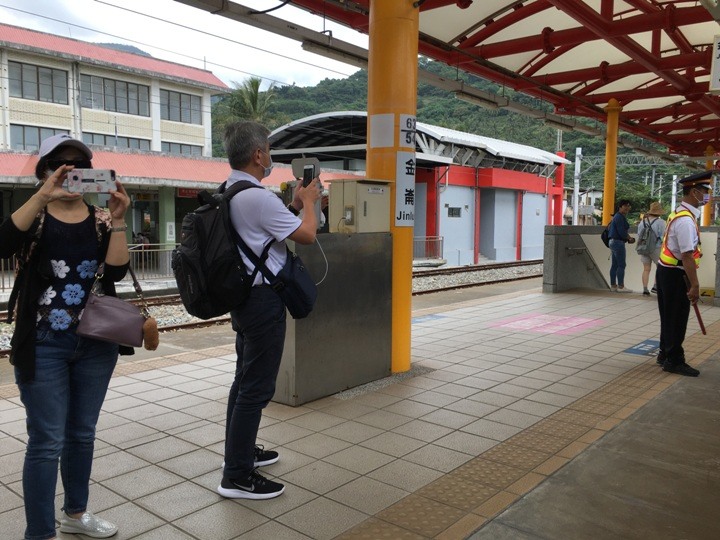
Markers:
{"x": 676, "y": 277}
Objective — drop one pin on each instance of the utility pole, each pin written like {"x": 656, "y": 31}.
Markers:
{"x": 576, "y": 185}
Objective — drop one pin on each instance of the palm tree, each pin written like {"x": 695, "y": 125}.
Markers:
{"x": 247, "y": 102}
{"x": 244, "y": 102}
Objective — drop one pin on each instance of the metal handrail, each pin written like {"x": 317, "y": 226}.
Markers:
{"x": 150, "y": 261}
{"x": 427, "y": 247}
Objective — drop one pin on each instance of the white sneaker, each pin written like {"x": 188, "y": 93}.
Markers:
{"x": 89, "y": 525}
{"x": 623, "y": 290}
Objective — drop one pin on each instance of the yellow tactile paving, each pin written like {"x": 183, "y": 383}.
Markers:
{"x": 420, "y": 515}
{"x": 375, "y": 529}
{"x": 489, "y": 472}
{"x": 455, "y": 490}
{"x": 540, "y": 441}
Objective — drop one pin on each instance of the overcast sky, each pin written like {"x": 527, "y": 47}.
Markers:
{"x": 173, "y": 31}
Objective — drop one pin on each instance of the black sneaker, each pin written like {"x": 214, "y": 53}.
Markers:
{"x": 262, "y": 457}
{"x": 681, "y": 369}
{"x": 265, "y": 457}
{"x": 653, "y": 290}
{"x": 646, "y": 292}
{"x": 255, "y": 486}
{"x": 660, "y": 360}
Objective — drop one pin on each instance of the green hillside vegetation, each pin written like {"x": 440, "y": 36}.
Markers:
{"x": 279, "y": 105}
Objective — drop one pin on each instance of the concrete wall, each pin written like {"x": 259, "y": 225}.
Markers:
{"x": 576, "y": 258}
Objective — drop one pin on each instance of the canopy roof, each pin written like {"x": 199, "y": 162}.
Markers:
{"x": 653, "y": 56}
{"x": 343, "y": 135}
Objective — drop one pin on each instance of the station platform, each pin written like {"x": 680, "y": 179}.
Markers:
{"x": 525, "y": 416}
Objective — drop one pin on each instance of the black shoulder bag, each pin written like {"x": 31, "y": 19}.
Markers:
{"x": 293, "y": 283}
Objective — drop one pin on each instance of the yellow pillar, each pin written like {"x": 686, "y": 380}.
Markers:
{"x": 613, "y": 121}
{"x": 392, "y": 102}
{"x": 707, "y": 212}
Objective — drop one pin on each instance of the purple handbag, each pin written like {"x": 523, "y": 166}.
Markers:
{"x": 109, "y": 318}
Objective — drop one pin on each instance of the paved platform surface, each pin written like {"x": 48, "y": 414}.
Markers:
{"x": 537, "y": 416}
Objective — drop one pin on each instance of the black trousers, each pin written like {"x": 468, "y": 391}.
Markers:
{"x": 674, "y": 308}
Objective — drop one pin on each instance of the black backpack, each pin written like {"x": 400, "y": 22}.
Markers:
{"x": 605, "y": 236}
{"x": 211, "y": 276}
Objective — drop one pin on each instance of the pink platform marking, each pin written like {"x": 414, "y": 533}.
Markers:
{"x": 547, "y": 324}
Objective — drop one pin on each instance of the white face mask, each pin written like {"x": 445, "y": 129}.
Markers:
{"x": 269, "y": 168}
{"x": 705, "y": 199}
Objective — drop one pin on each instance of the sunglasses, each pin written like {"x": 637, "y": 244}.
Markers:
{"x": 54, "y": 164}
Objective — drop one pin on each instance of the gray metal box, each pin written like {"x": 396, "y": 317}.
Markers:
{"x": 346, "y": 340}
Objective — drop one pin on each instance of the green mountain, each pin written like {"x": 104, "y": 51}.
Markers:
{"x": 438, "y": 107}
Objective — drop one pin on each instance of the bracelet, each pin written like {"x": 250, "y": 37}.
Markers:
{"x": 121, "y": 228}
{"x": 294, "y": 210}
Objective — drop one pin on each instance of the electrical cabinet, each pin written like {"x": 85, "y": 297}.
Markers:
{"x": 359, "y": 206}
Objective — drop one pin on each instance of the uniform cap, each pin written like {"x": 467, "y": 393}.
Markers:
{"x": 62, "y": 139}
{"x": 699, "y": 180}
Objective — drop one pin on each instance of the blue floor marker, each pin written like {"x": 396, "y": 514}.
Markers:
{"x": 649, "y": 347}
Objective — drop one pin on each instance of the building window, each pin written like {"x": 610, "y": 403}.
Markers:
{"x": 39, "y": 83}
{"x": 117, "y": 142}
{"x": 181, "y": 149}
{"x": 180, "y": 107}
{"x": 116, "y": 96}
{"x": 29, "y": 137}
{"x": 453, "y": 212}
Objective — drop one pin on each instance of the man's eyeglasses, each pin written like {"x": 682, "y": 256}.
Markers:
{"x": 55, "y": 164}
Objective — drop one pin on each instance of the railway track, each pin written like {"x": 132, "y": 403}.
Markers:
{"x": 473, "y": 268}
{"x": 174, "y": 299}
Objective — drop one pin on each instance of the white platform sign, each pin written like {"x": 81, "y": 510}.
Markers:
{"x": 382, "y": 131}
{"x": 407, "y": 131}
{"x": 405, "y": 190}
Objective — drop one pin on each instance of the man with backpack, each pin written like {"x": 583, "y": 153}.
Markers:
{"x": 259, "y": 217}
{"x": 649, "y": 240}
{"x": 619, "y": 235}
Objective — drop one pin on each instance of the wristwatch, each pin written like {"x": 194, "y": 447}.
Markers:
{"x": 121, "y": 228}
{"x": 293, "y": 209}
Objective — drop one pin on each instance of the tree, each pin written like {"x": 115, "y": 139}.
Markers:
{"x": 245, "y": 102}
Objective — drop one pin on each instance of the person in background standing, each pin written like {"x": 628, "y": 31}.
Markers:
{"x": 678, "y": 286}
{"x": 656, "y": 224}
{"x": 619, "y": 236}
{"x": 60, "y": 241}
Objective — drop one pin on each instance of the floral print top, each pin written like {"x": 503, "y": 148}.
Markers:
{"x": 73, "y": 252}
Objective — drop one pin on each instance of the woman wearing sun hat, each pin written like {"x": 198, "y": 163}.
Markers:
{"x": 656, "y": 224}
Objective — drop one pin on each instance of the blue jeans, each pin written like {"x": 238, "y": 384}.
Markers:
{"x": 62, "y": 404}
{"x": 260, "y": 328}
{"x": 617, "y": 267}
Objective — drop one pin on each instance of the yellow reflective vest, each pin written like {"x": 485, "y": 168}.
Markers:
{"x": 666, "y": 256}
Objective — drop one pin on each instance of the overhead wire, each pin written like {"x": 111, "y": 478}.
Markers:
{"x": 210, "y": 34}
{"x": 204, "y": 60}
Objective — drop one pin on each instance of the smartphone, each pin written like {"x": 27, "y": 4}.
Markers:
{"x": 308, "y": 174}
{"x": 91, "y": 181}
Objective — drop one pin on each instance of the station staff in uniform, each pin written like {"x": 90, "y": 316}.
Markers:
{"x": 677, "y": 281}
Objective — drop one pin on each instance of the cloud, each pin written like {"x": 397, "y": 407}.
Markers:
{"x": 179, "y": 33}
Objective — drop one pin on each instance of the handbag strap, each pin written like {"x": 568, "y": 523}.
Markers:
{"x": 136, "y": 284}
